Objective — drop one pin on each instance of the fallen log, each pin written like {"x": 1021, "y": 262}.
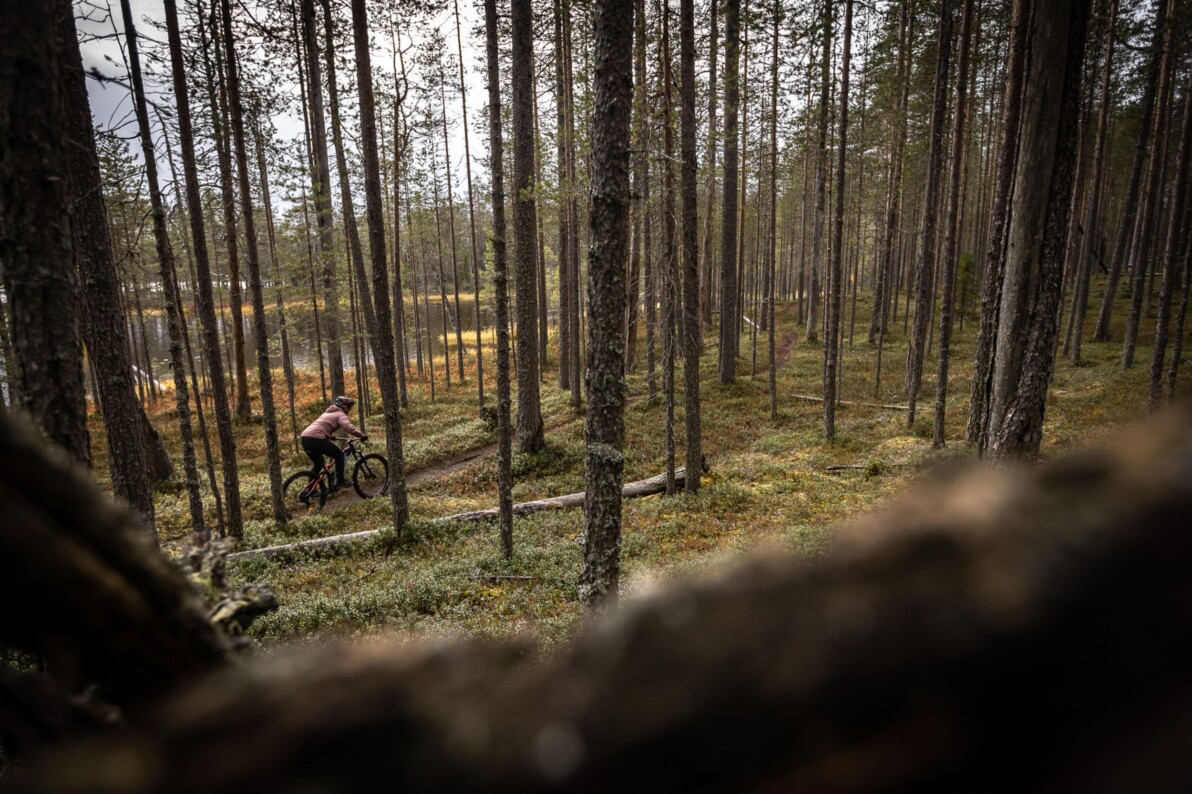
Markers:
{"x": 807, "y": 398}
{"x": 633, "y": 490}
{"x": 82, "y": 586}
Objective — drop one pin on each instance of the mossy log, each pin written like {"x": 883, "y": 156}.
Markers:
{"x": 633, "y": 490}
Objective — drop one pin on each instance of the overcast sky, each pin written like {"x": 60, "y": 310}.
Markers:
{"x": 111, "y": 103}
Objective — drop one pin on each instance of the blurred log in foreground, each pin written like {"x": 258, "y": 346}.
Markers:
{"x": 999, "y": 630}
{"x": 82, "y": 588}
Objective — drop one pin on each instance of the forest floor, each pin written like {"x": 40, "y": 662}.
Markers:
{"x": 770, "y": 483}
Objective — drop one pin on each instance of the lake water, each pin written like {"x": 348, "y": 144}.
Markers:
{"x": 300, "y": 327}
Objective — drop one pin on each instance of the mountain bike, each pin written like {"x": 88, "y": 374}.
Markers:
{"x": 306, "y": 493}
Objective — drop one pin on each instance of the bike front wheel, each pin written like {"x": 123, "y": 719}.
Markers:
{"x": 371, "y": 476}
{"x": 298, "y": 486}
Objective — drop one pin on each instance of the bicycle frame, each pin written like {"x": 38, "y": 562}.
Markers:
{"x": 348, "y": 449}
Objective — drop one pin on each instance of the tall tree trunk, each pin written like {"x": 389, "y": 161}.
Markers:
{"x": 981, "y": 396}
{"x": 400, "y": 145}
{"x": 573, "y": 314}
{"x": 821, "y": 177}
{"x": 729, "y": 323}
{"x": 444, "y": 306}
{"x": 173, "y": 303}
{"x": 1178, "y": 341}
{"x": 530, "y": 431}
{"x": 691, "y": 294}
{"x": 772, "y": 247}
{"x": 500, "y": 283}
{"x": 640, "y": 165}
{"x": 836, "y": 277}
{"x": 925, "y": 265}
{"x": 1092, "y": 218}
{"x": 321, "y": 189}
{"x": 348, "y": 209}
{"x": 206, "y": 302}
{"x": 1148, "y": 221}
{"x": 609, "y": 222}
{"x": 540, "y": 236}
{"x": 952, "y": 230}
{"x": 886, "y": 285}
{"x": 381, "y": 329}
{"x": 275, "y": 273}
{"x": 463, "y": 98}
{"x": 1038, "y": 233}
{"x": 707, "y": 260}
{"x": 564, "y": 248}
{"x": 670, "y": 266}
{"x": 223, "y": 145}
{"x": 459, "y": 320}
{"x": 41, "y": 283}
{"x": 1177, "y": 233}
{"x": 1127, "y": 216}
{"x": 264, "y": 371}
{"x": 648, "y": 275}
{"x": 102, "y": 321}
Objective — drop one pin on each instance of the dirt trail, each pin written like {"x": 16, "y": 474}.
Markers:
{"x": 426, "y": 475}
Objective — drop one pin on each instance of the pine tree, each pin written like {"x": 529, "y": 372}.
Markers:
{"x": 383, "y": 322}
{"x": 609, "y": 218}
{"x": 530, "y": 430}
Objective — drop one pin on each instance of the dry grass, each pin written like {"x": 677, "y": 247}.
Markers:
{"x": 768, "y": 484}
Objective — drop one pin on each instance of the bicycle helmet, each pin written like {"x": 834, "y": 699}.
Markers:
{"x": 344, "y": 402}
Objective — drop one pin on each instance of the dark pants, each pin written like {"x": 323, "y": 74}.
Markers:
{"x": 317, "y": 448}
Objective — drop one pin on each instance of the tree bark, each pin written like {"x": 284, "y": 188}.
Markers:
{"x": 463, "y": 98}
{"x": 925, "y": 265}
{"x": 729, "y": 322}
{"x": 103, "y": 321}
{"x": 264, "y": 371}
{"x": 772, "y": 242}
{"x": 952, "y": 230}
{"x": 206, "y": 302}
{"x": 1092, "y": 222}
{"x": 41, "y": 283}
{"x": 821, "y": 177}
{"x": 500, "y": 284}
{"x": 707, "y": 259}
{"x": 320, "y": 173}
{"x": 981, "y": 396}
{"x": 836, "y": 277}
{"x": 604, "y": 426}
{"x": 670, "y": 266}
{"x": 169, "y": 281}
{"x": 886, "y": 286}
{"x": 382, "y": 323}
{"x": 691, "y": 292}
{"x": 1038, "y": 233}
{"x": 111, "y": 610}
{"x": 1129, "y": 206}
{"x": 638, "y": 188}
{"x": 220, "y": 123}
{"x": 563, "y": 188}
{"x": 1148, "y": 221}
{"x": 530, "y": 431}
{"x": 1177, "y": 233}
{"x": 459, "y": 320}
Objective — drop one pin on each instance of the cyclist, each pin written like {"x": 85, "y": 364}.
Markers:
{"x": 317, "y": 438}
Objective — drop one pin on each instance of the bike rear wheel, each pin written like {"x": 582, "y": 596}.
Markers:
{"x": 298, "y": 485}
{"x": 371, "y": 476}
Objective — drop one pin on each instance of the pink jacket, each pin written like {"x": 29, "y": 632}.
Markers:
{"x": 332, "y": 419}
